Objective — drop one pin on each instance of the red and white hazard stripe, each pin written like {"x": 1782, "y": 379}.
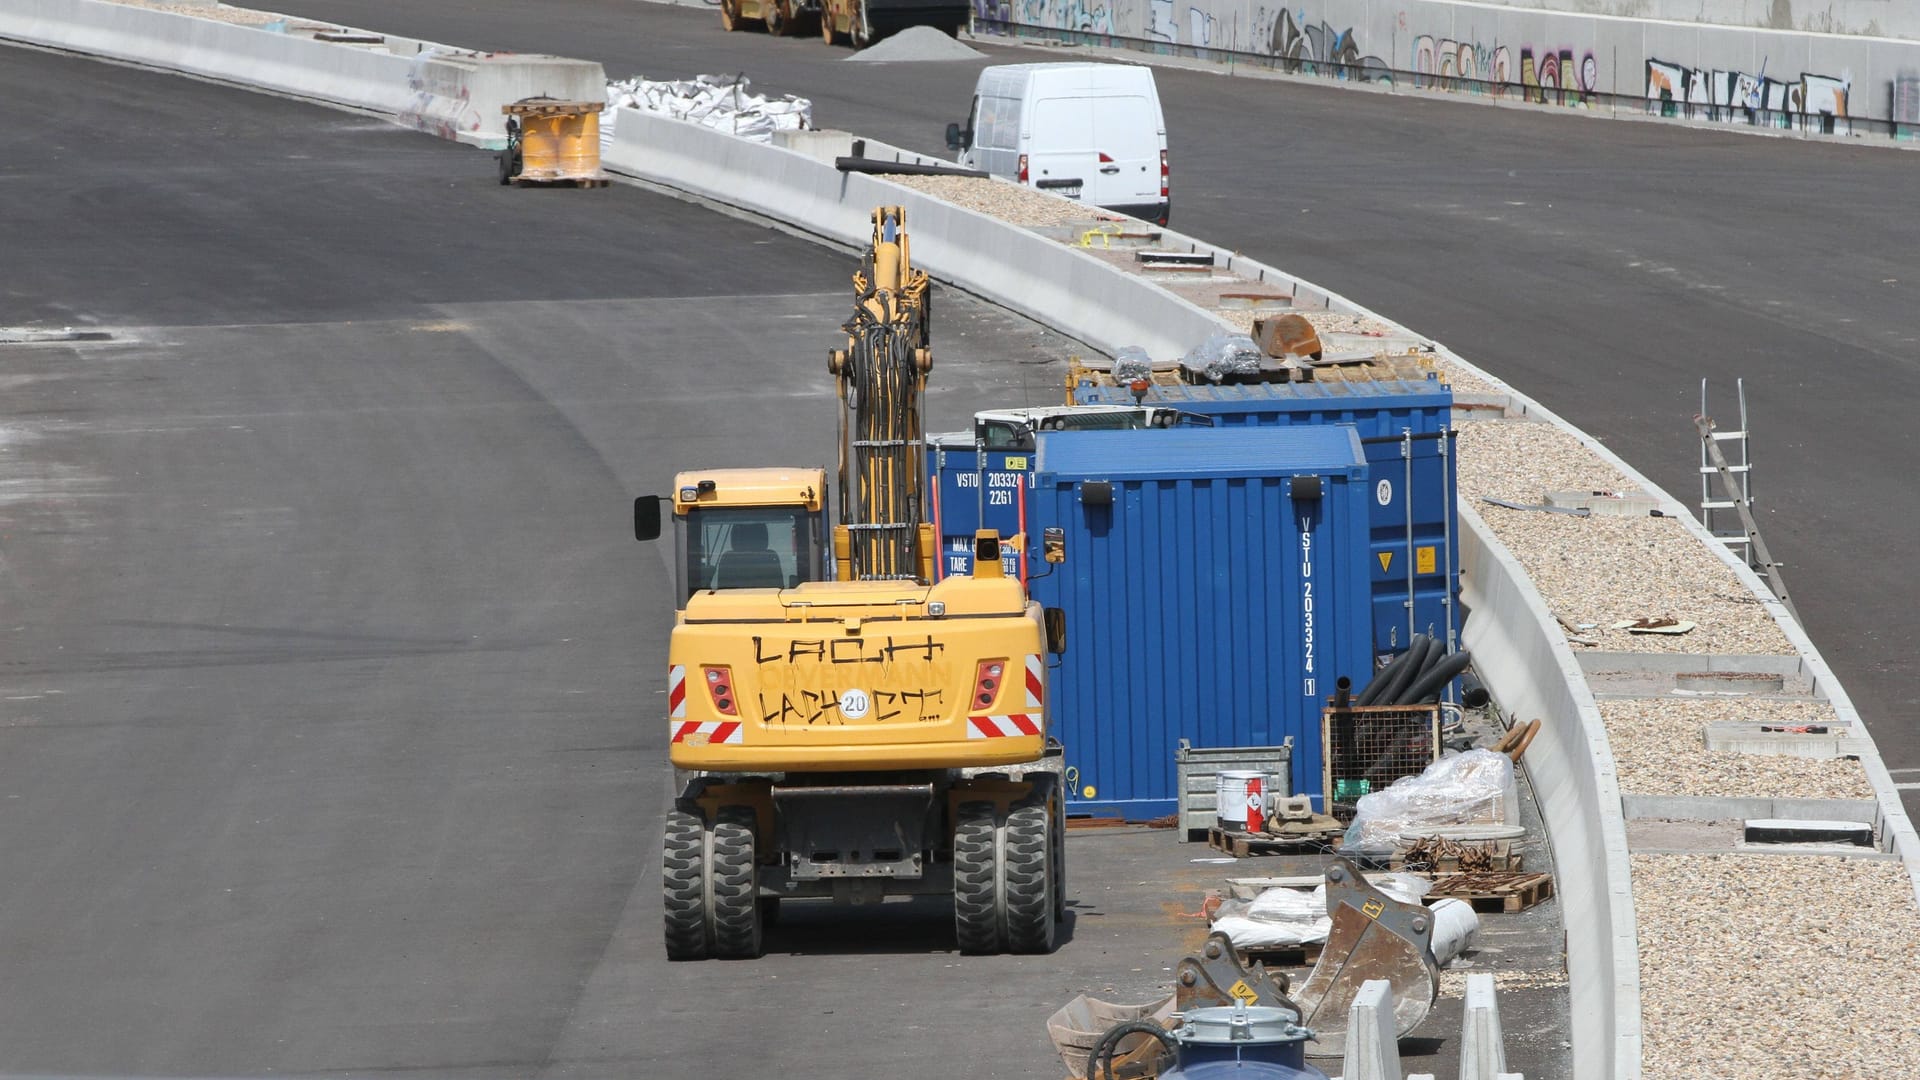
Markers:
{"x": 1036, "y": 681}
{"x": 677, "y": 692}
{"x": 714, "y": 731}
{"x": 1010, "y": 726}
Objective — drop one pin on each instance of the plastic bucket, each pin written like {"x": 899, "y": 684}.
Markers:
{"x": 1238, "y": 791}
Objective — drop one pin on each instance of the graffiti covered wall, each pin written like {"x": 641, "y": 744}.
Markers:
{"x": 1709, "y": 73}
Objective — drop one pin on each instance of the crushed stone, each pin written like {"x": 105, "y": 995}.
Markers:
{"x": 917, "y": 44}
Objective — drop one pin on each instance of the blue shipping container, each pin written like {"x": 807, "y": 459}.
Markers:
{"x": 1211, "y": 595}
{"x": 962, "y": 491}
{"x": 1405, "y": 427}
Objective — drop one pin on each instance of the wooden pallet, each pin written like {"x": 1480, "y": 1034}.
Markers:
{"x": 1243, "y": 845}
{"x": 1493, "y": 893}
{"x": 1305, "y": 955}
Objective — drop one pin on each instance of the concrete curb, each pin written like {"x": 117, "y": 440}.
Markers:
{"x": 1022, "y": 271}
{"x": 1520, "y": 653}
{"x": 452, "y": 93}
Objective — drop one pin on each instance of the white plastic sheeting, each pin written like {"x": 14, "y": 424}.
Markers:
{"x": 721, "y": 102}
{"x": 1474, "y": 787}
{"x": 1282, "y": 917}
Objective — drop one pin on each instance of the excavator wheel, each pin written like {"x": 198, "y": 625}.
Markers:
{"x": 1027, "y": 875}
{"x": 1059, "y": 857}
{"x": 976, "y": 880}
{"x": 683, "y": 885}
{"x": 735, "y": 891}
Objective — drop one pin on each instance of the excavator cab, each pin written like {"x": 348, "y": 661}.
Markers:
{"x": 742, "y": 529}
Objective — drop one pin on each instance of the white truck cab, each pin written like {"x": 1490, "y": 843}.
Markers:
{"x": 1093, "y": 132}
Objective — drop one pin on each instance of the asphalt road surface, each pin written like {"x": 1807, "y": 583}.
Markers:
{"x": 330, "y": 738}
{"x": 1604, "y": 267}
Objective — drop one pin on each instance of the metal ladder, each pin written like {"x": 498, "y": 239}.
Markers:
{"x": 1736, "y": 534}
{"x": 1736, "y": 482}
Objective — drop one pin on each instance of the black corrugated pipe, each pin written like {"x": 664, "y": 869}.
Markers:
{"x": 903, "y": 168}
{"x": 1342, "y": 693}
{"x": 1430, "y": 683}
{"x": 1473, "y": 693}
{"x": 1371, "y": 693}
{"x": 1391, "y": 693}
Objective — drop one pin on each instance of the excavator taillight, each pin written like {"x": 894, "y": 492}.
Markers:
{"x": 1023, "y": 167}
{"x": 986, "y": 682}
{"x": 720, "y": 686}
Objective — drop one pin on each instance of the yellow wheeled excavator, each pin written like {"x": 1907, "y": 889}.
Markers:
{"x": 846, "y": 727}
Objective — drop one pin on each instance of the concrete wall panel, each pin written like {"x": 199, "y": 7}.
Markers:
{"x": 1688, "y": 69}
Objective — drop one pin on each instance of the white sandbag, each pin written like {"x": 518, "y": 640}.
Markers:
{"x": 1455, "y": 925}
{"x": 1260, "y": 933}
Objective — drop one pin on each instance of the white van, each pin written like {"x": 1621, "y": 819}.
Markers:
{"x": 1092, "y": 132}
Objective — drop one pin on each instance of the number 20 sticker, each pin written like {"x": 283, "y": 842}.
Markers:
{"x": 855, "y": 704}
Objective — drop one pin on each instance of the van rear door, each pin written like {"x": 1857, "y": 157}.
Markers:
{"x": 1126, "y": 134}
{"x": 1061, "y": 157}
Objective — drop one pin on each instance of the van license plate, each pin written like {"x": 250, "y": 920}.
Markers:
{"x": 1068, "y": 188}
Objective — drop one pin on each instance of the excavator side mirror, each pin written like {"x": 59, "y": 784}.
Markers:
{"x": 1053, "y": 544}
{"x": 1056, "y": 620}
{"x": 646, "y": 517}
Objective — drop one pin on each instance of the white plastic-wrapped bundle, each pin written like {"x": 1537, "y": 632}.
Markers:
{"x": 1223, "y": 354}
{"x": 721, "y": 102}
{"x": 1474, "y": 787}
{"x": 1131, "y": 362}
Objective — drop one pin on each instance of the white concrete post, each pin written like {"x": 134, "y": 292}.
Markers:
{"x": 1373, "y": 1051}
{"x": 1483, "y": 1050}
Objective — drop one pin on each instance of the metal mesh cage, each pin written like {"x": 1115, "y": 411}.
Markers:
{"x": 1369, "y": 747}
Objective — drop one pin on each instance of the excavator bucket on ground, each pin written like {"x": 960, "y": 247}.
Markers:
{"x": 1374, "y": 936}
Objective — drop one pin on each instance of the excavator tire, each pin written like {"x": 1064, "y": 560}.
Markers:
{"x": 683, "y": 885}
{"x": 736, "y": 885}
{"x": 977, "y": 921}
{"x": 1027, "y": 875}
{"x": 1059, "y": 858}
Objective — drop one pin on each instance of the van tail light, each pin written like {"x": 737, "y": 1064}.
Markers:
{"x": 720, "y": 688}
{"x": 986, "y": 682}
{"x": 1163, "y": 174}
{"x": 1105, "y": 158}
{"x": 1023, "y": 166}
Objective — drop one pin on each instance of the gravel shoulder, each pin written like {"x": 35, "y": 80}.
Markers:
{"x": 1744, "y": 973}
{"x": 1659, "y": 748}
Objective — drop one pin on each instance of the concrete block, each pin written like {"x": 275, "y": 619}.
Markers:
{"x": 1742, "y": 737}
{"x": 1483, "y": 1048}
{"x": 1808, "y": 831}
{"x": 1373, "y": 1050}
{"x": 823, "y": 144}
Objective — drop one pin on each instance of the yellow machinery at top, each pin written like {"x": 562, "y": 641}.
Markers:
{"x": 851, "y": 729}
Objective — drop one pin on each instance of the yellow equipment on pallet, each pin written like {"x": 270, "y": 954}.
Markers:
{"x": 552, "y": 142}
{"x": 855, "y": 730}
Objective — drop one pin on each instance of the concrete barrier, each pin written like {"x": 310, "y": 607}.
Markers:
{"x": 1527, "y": 664}
{"x": 453, "y": 93}
{"x": 1067, "y": 290}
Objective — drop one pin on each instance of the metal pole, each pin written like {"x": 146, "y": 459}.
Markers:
{"x": 1406, "y": 496}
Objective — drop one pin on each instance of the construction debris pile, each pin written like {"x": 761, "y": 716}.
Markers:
{"x": 721, "y": 102}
